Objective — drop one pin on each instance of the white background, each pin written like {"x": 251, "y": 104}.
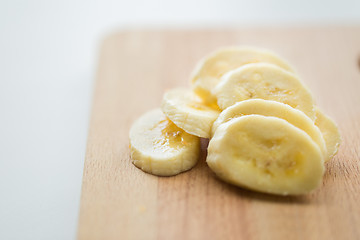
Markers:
{"x": 48, "y": 55}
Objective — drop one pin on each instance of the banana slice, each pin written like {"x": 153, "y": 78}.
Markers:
{"x": 266, "y": 154}
{"x": 159, "y": 147}
{"x": 273, "y": 109}
{"x": 329, "y": 131}
{"x": 208, "y": 72}
{"x": 265, "y": 81}
{"x": 188, "y": 112}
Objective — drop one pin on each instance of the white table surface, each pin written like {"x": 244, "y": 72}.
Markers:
{"x": 48, "y": 55}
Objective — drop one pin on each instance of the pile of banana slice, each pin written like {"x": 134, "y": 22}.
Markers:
{"x": 266, "y": 134}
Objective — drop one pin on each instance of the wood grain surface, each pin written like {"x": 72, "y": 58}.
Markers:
{"x": 119, "y": 201}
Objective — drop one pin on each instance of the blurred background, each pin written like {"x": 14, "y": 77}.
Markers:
{"x": 48, "y": 56}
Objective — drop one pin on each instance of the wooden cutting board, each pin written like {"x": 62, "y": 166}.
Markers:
{"x": 119, "y": 201}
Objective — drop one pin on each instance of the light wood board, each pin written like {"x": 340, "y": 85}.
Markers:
{"x": 119, "y": 201}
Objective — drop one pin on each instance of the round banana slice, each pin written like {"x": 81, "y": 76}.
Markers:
{"x": 159, "y": 147}
{"x": 265, "y": 81}
{"x": 208, "y": 72}
{"x": 188, "y": 112}
{"x": 273, "y": 109}
{"x": 266, "y": 154}
{"x": 329, "y": 131}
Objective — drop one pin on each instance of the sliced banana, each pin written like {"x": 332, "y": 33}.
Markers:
{"x": 329, "y": 131}
{"x": 159, "y": 147}
{"x": 266, "y": 154}
{"x": 188, "y": 112}
{"x": 273, "y": 109}
{"x": 208, "y": 72}
{"x": 264, "y": 81}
